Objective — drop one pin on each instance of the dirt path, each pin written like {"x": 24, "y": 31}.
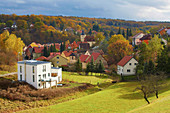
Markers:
{"x": 8, "y": 74}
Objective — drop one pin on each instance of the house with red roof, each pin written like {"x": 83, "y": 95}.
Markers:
{"x": 42, "y": 58}
{"x": 127, "y": 66}
{"x": 136, "y": 39}
{"x": 97, "y": 57}
{"x": 37, "y": 52}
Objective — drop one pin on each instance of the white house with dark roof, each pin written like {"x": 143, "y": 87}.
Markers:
{"x": 127, "y": 66}
{"x": 39, "y": 74}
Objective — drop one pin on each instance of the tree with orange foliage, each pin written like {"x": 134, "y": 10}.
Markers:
{"x": 117, "y": 50}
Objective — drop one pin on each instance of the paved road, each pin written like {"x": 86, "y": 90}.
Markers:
{"x": 8, "y": 74}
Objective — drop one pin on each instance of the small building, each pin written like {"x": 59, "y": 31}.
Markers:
{"x": 127, "y": 66}
{"x": 57, "y": 60}
{"x": 136, "y": 39}
{"x": 39, "y": 74}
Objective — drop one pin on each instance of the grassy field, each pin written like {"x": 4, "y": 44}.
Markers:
{"x": 3, "y": 72}
{"x": 86, "y": 79}
{"x": 118, "y": 98}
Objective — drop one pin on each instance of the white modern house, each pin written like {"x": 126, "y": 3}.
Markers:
{"x": 127, "y": 66}
{"x": 39, "y": 74}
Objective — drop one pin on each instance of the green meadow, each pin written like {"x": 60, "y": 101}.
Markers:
{"x": 117, "y": 98}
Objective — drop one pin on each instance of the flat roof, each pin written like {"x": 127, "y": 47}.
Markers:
{"x": 32, "y": 62}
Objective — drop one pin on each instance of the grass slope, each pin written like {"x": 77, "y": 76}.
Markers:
{"x": 85, "y": 79}
{"x": 118, "y": 98}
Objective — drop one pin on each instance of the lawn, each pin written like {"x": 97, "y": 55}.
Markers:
{"x": 86, "y": 79}
{"x": 3, "y": 72}
{"x": 118, "y": 98}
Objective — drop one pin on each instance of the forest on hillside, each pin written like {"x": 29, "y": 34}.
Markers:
{"x": 49, "y": 29}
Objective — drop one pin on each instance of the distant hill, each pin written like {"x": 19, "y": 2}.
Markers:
{"x": 44, "y": 29}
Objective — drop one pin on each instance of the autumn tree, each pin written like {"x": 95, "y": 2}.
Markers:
{"x": 99, "y": 38}
{"x": 9, "y": 23}
{"x": 117, "y": 50}
{"x": 21, "y": 24}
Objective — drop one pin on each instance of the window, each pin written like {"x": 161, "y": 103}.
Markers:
{"x": 49, "y": 74}
{"x": 57, "y": 62}
{"x": 39, "y": 78}
{"x": 44, "y": 68}
{"x": 20, "y": 69}
{"x": 128, "y": 70}
{"x": 33, "y": 78}
{"x": 20, "y": 77}
{"x": 135, "y": 63}
{"x": 33, "y": 69}
{"x": 44, "y": 75}
{"x": 130, "y": 64}
{"x": 39, "y": 85}
{"x": 57, "y": 57}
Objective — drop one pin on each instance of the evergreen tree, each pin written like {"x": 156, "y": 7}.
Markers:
{"x": 101, "y": 67}
{"x": 119, "y": 31}
{"x": 90, "y": 32}
{"x": 64, "y": 46}
{"x": 61, "y": 48}
{"x": 51, "y": 48}
{"x": 87, "y": 69}
{"x": 45, "y": 53}
{"x": 130, "y": 32}
{"x": 111, "y": 33}
{"x": 123, "y": 33}
{"x": 92, "y": 65}
{"x": 54, "y": 48}
{"x": 48, "y": 52}
{"x": 127, "y": 34}
{"x": 78, "y": 66}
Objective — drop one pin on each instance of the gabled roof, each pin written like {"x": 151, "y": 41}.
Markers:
{"x": 124, "y": 60}
{"x": 89, "y": 39}
{"x": 138, "y": 36}
{"x": 38, "y": 49}
{"x": 52, "y": 55}
{"x": 83, "y": 58}
{"x": 94, "y": 55}
{"x": 41, "y": 58}
{"x": 67, "y": 53}
{"x": 146, "y": 37}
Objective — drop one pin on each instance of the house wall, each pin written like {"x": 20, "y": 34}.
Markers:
{"x": 119, "y": 70}
{"x": 40, "y": 76}
{"x": 61, "y": 60}
{"x": 100, "y": 57}
{"x": 132, "y": 68}
{"x": 87, "y": 53}
{"x": 91, "y": 43}
{"x": 84, "y": 65}
{"x": 36, "y": 55}
{"x": 73, "y": 59}
{"x": 82, "y": 37}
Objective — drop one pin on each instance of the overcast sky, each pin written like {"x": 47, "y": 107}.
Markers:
{"x": 140, "y": 10}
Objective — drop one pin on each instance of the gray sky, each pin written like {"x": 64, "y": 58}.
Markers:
{"x": 141, "y": 10}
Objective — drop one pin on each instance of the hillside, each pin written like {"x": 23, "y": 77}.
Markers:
{"x": 48, "y": 29}
{"x": 118, "y": 98}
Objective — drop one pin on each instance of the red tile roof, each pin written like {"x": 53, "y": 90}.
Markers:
{"x": 83, "y": 57}
{"x": 89, "y": 38}
{"x": 38, "y": 49}
{"x": 52, "y": 55}
{"x": 124, "y": 60}
{"x": 67, "y": 53}
{"x": 94, "y": 55}
{"x": 42, "y": 58}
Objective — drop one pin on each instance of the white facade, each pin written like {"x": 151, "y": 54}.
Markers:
{"x": 136, "y": 39}
{"x": 128, "y": 69}
{"x": 38, "y": 73}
